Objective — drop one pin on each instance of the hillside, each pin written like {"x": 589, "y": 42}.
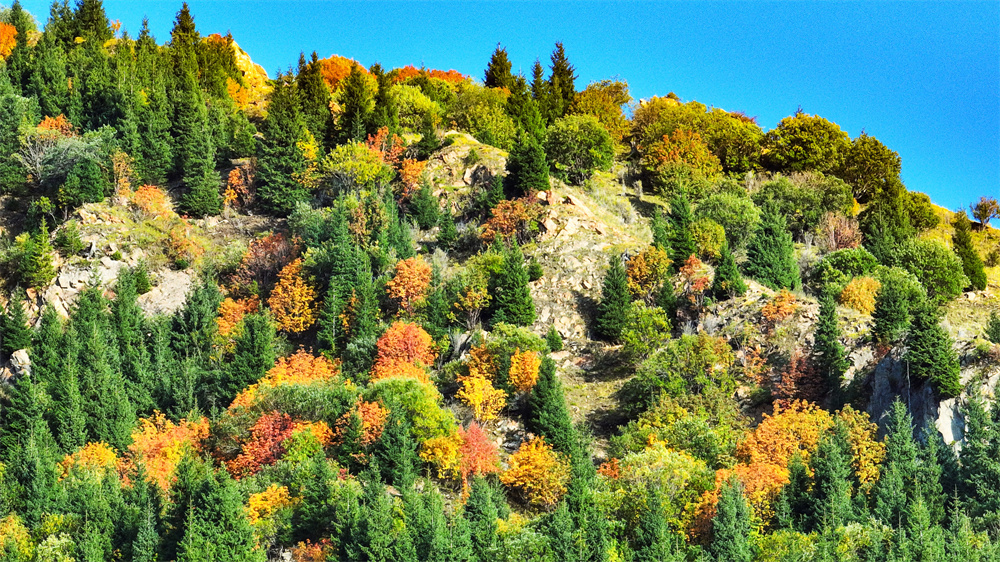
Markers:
{"x": 404, "y": 314}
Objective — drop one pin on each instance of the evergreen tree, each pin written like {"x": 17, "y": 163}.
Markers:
{"x": 728, "y": 282}
{"x": 770, "y": 253}
{"x": 731, "y": 526}
{"x": 896, "y": 488}
{"x": 90, "y": 21}
{"x": 129, "y": 325}
{"x": 525, "y": 111}
{"x": 280, "y": 162}
{"x": 498, "y": 74}
{"x": 832, "y": 358}
{"x": 527, "y": 170}
{"x": 193, "y": 328}
{"x": 386, "y": 111}
{"x": 652, "y": 542}
{"x": 194, "y": 154}
{"x": 396, "y": 451}
{"x": 561, "y": 82}
{"x": 972, "y": 264}
{"x": 448, "y": 233}
{"x": 357, "y": 102}
{"x": 14, "y": 331}
{"x": 541, "y": 92}
{"x": 793, "y": 507}
{"x": 929, "y": 353}
{"x": 494, "y": 193}
{"x": 47, "y": 81}
{"x": 681, "y": 241}
{"x": 549, "y": 415}
{"x": 553, "y": 339}
{"x": 424, "y": 207}
{"x": 831, "y": 505}
{"x": 155, "y": 150}
{"x": 616, "y": 302}
{"x": 511, "y": 296}
{"x": 892, "y": 312}
{"x": 661, "y": 231}
{"x": 482, "y": 513}
{"x": 428, "y": 142}
{"x": 253, "y": 356}
{"x": 314, "y": 97}
{"x": 69, "y": 420}
{"x": 980, "y": 471}
{"x": 993, "y": 327}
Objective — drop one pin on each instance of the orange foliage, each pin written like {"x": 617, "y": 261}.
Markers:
{"x": 92, "y": 457}
{"x": 299, "y": 368}
{"x": 152, "y": 202}
{"x": 261, "y": 263}
{"x": 410, "y": 71}
{"x": 410, "y": 284}
{"x": 479, "y": 394}
{"x": 293, "y": 300}
{"x": 319, "y": 430}
{"x": 313, "y": 552}
{"x": 611, "y": 469}
{"x": 761, "y": 484}
{"x": 265, "y": 445}
{"x": 481, "y": 362}
{"x": 59, "y": 124}
{"x": 799, "y": 380}
{"x": 524, "y": 369}
{"x": 478, "y": 455}
{"x": 336, "y": 68}
{"x": 403, "y": 346}
{"x": 537, "y": 473}
{"x": 159, "y": 444}
{"x": 779, "y": 309}
{"x": 646, "y": 271}
{"x": 239, "y": 187}
{"x": 860, "y": 294}
{"x": 516, "y": 218}
{"x": 387, "y": 148}
{"x": 685, "y": 148}
{"x": 8, "y": 40}
{"x": 372, "y": 416}
{"x": 796, "y": 427}
{"x": 180, "y": 245}
{"x": 410, "y": 171}
{"x": 232, "y": 311}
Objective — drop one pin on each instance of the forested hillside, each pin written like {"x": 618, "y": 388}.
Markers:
{"x": 373, "y": 314}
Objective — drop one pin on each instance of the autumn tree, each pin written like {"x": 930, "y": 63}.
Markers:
{"x": 410, "y": 283}
{"x": 537, "y": 474}
{"x": 523, "y": 372}
{"x": 293, "y": 300}
{"x": 478, "y": 455}
{"x": 405, "y": 350}
{"x": 478, "y": 393}
{"x": 986, "y": 209}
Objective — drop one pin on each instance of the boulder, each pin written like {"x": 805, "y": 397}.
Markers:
{"x": 20, "y": 363}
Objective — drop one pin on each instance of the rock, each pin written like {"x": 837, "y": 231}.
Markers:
{"x": 571, "y": 227}
{"x": 574, "y": 201}
{"x": 600, "y": 228}
{"x": 107, "y": 262}
{"x": 587, "y": 284}
{"x": 542, "y": 196}
{"x": 549, "y": 225}
{"x": 20, "y": 363}
{"x": 169, "y": 295}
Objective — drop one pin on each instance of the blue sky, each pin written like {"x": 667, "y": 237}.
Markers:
{"x": 923, "y": 77}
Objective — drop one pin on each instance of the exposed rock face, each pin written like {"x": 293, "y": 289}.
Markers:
{"x": 169, "y": 295}
{"x": 453, "y": 166}
{"x": 20, "y": 363}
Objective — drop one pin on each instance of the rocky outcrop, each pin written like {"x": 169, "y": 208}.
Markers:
{"x": 465, "y": 162}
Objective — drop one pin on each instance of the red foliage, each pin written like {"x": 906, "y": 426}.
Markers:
{"x": 611, "y": 469}
{"x": 403, "y": 345}
{"x": 372, "y": 416}
{"x": 410, "y": 71}
{"x": 262, "y": 262}
{"x": 478, "y": 455}
{"x": 336, "y": 68}
{"x": 410, "y": 284}
{"x": 58, "y": 124}
{"x": 516, "y": 218}
{"x": 799, "y": 381}
{"x": 265, "y": 444}
{"x": 387, "y": 148}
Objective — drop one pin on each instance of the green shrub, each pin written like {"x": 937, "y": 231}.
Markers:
{"x": 576, "y": 146}
{"x": 900, "y": 292}
{"x": 709, "y": 237}
{"x": 553, "y": 338}
{"x": 735, "y": 212}
{"x": 535, "y": 271}
{"x": 646, "y": 330}
{"x": 68, "y": 240}
{"x": 805, "y": 198}
{"x": 937, "y": 268}
{"x": 839, "y": 267}
{"x": 993, "y": 327}
{"x": 481, "y": 113}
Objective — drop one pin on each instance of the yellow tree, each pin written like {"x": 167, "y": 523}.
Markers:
{"x": 409, "y": 286}
{"x": 293, "y": 300}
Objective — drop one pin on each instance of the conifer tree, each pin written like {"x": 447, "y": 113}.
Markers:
{"x": 980, "y": 470}
{"x": 129, "y": 326}
{"x": 527, "y": 170}
{"x": 728, "y": 282}
{"x": 386, "y": 111}
{"x": 561, "y": 82}
{"x": 832, "y": 358}
{"x": 681, "y": 241}
{"x": 482, "y": 513}
{"x": 511, "y": 296}
{"x": 498, "y": 71}
{"x": 929, "y": 353}
{"x": 448, "y": 233}
{"x": 396, "y": 451}
{"x": 731, "y": 526}
{"x": 553, "y": 339}
{"x": 770, "y": 253}
{"x": 652, "y": 542}
{"x": 314, "y": 97}
{"x": 616, "y": 302}
{"x": 69, "y": 420}
{"x": 14, "y": 331}
{"x": 549, "y": 415}
{"x": 193, "y": 328}
{"x": 424, "y": 207}
{"x": 892, "y": 312}
{"x": 831, "y": 504}
{"x": 317, "y": 511}
{"x": 494, "y": 194}
{"x": 661, "y": 230}
{"x": 357, "y": 102}
{"x": 793, "y": 507}
{"x": 896, "y": 488}
{"x": 541, "y": 92}
{"x": 972, "y": 264}
{"x": 155, "y": 151}
{"x": 525, "y": 111}
{"x": 253, "y": 356}
{"x": 993, "y": 327}
{"x": 280, "y": 162}
{"x": 194, "y": 154}
{"x": 39, "y": 271}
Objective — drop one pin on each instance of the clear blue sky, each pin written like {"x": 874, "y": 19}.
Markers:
{"x": 924, "y": 78}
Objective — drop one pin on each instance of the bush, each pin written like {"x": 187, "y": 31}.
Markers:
{"x": 68, "y": 240}
{"x": 901, "y": 292}
{"x": 481, "y": 112}
{"x": 709, "y": 236}
{"x": 839, "y": 267}
{"x": 937, "y": 268}
{"x": 803, "y": 199}
{"x": 677, "y": 161}
{"x": 646, "y": 330}
{"x": 993, "y": 327}
{"x": 576, "y": 146}
{"x": 860, "y": 294}
{"x": 535, "y": 271}
{"x": 553, "y": 338}
{"x": 804, "y": 142}
{"x": 736, "y": 213}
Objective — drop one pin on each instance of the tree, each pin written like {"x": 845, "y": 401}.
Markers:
{"x": 561, "y": 82}
{"x": 410, "y": 283}
{"x": 993, "y": 327}
{"x": 537, "y": 473}
{"x": 253, "y": 356}
{"x": 293, "y": 300}
{"x": 576, "y": 146}
{"x": 985, "y": 209}
{"x": 424, "y": 208}
{"x": 405, "y": 350}
{"x": 281, "y": 164}
{"x": 512, "y": 302}
{"x": 804, "y": 142}
{"x": 652, "y": 541}
{"x": 897, "y": 486}
{"x": 682, "y": 245}
{"x": 357, "y": 100}
{"x": 929, "y": 354}
{"x": 972, "y": 264}
{"x": 313, "y": 97}
{"x": 613, "y": 310}
{"x": 482, "y": 513}
{"x": 831, "y": 502}
{"x": 385, "y": 113}
{"x": 448, "y": 233}
{"x": 478, "y": 455}
{"x": 728, "y": 282}
{"x": 527, "y": 170}
{"x": 14, "y": 331}
{"x": 194, "y": 152}
{"x": 553, "y": 339}
{"x": 548, "y": 413}
{"x": 498, "y": 73}
{"x": 770, "y": 253}
{"x": 869, "y": 166}
{"x": 731, "y": 526}
{"x": 832, "y": 357}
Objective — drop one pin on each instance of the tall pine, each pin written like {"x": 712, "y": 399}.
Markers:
{"x": 511, "y": 295}
{"x": 832, "y": 359}
{"x": 616, "y": 301}
{"x": 681, "y": 240}
{"x": 929, "y": 353}
{"x": 280, "y": 162}
{"x": 972, "y": 264}
{"x": 732, "y": 525}
{"x": 771, "y": 254}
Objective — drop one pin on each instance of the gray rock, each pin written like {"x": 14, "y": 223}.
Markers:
{"x": 20, "y": 363}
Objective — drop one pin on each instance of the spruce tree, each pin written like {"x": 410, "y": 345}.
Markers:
{"x": 494, "y": 193}
{"x": 129, "y": 325}
{"x": 386, "y": 111}
{"x": 980, "y": 470}
{"x": 155, "y": 150}
{"x": 553, "y": 339}
{"x": 14, "y": 331}
{"x": 728, "y": 282}
{"x": 561, "y": 82}
{"x": 448, "y": 233}
{"x": 313, "y": 97}
{"x": 548, "y": 413}
{"x": 661, "y": 230}
{"x": 972, "y": 264}
{"x": 69, "y": 420}
{"x": 541, "y": 92}
{"x": 280, "y": 162}
{"x": 525, "y": 111}
{"x": 681, "y": 241}
{"x": 731, "y": 526}
{"x": 929, "y": 354}
{"x": 424, "y": 207}
{"x": 253, "y": 356}
{"x": 39, "y": 271}
{"x": 832, "y": 358}
{"x": 511, "y": 296}
{"x": 194, "y": 154}
{"x": 498, "y": 74}
{"x": 396, "y": 451}
{"x": 527, "y": 170}
{"x": 616, "y": 302}
{"x": 652, "y": 541}
{"x": 356, "y": 101}
{"x": 993, "y": 327}
{"x": 831, "y": 464}
{"x": 892, "y": 312}
{"x": 482, "y": 514}
{"x": 896, "y": 487}
{"x": 771, "y": 254}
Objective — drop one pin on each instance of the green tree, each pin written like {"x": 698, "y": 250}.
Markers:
{"x": 280, "y": 162}
{"x": 553, "y": 339}
{"x": 194, "y": 153}
{"x": 14, "y": 331}
{"x": 314, "y": 97}
{"x": 498, "y": 73}
{"x": 549, "y": 415}
{"x": 897, "y": 486}
{"x": 511, "y": 295}
{"x": 832, "y": 358}
{"x": 728, "y": 282}
{"x": 972, "y": 264}
{"x": 527, "y": 170}
{"x": 357, "y": 101}
{"x": 682, "y": 244}
{"x": 980, "y": 470}
{"x": 616, "y": 301}
{"x": 900, "y": 292}
{"x": 929, "y": 354}
{"x": 993, "y": 327}
{"x": 448, "y": 233}
{"x": 831, "y": 464}
{"x": 482, "y": 512}
{"x": 869, "y": 166}
{"x": 561, "y": 82}
{"x": 386, "y": 111}
{"x": 661, "y": 230}
{"x": 652, "y": 540}
{"x": 424, "y": 207}
{"x": 85, "y": 183}
{"x": 732, "y": 526}
{"x": 129, "y": 325}
{"x": 804, "y": 142}
{"x": 770, "y": 253}
{"x": 253, "y": 356}
{"x": 576, "y": 146}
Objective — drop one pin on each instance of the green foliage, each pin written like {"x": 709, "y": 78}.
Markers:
{"x": 682, "y": 243}
{"x": 498, "y": 73}
{"x": 869, "y": 166}
{"x": 554, "y": 341}
{"x": 804, "y": 200}
{"x": 661, "y": 230}
{"x": 548, "y": 414}
{"x": 937, "y": 268}
{"x": 424, "y": 207}
{"x": 646, "y": 329}
{"x": 972, "y": 264}
{"x": 14, "y": 331}
{"x": 804, "y": 142}
{"x": 709, "y": 237}
{"x": 535, "y": 271}
{"x": 448, "y": 233}
{"x": 481, "y": 112}
{"x": 68, "y": 239}
{"x": 770, "y": 254}
{"x": 832, "y": 360}
{"x": 576, "y": 146}
{"x": 929, "y": 354}
{"x": 840, "y": 266}
{"x": 357, "y": 102}
{"x": 616, "y": 302}
{"x": 512, "y": 302}
{"x": 728, "y": 282}
{"x": 732, "y": 526}
{"x": 85, "y": 183}
{"x": 900, "y": 293}
{"x": 280, "y": 162}
{"x": 527, "y": 170}
{"x": 993, "y": 327}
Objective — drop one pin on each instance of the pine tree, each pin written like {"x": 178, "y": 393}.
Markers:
{"x": 527, "y": 170}
{"x": 194, "y": 154}
{"x": 929, "y": 353}
{"x": 993, "y": 327}
{"x": 832, "y": 358}
{"x": 448, "y": 233}
{"x": 831, "y": 504}
{"x": 39, "y": 271}
{"x": 972, "y": 264}
{"x": 661, "y": 230}
{"x": 314, "y": 97}
{"x": 511, "y": 296}
{"x": 494, "y": 193}
{"x": 561, "y": 82}
{"x": 253, "y": 356}
{"x": 396, "y": 451}
{"x": 652, "y": 542}
{"x": 357, "y": 102}
{"x": 731, "y": 526}
{"x": 770, "y": 253}
{"x": 14, "y": 331}
{"x": 681, "y": 241}
{"x": 616, "y": 302}
{"x": 553, "y": 339}
{"x": 549, "y": 415}
{"x": 424, "y": 207}
{"x": 498, "y": 74}
{"x": 728, "y": 282}
{"x": 525, "y": 111}
{"x": 482, "y": 513}
{"x": 980, "y": 470}
{"x": 280, "y": 162}
{"x": 892, "y": 313}
{"x": 386, "y": 111}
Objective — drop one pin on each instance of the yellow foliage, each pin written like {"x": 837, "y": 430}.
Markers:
{"x": 481, "y": 362}
{"x": 524, "y": 369}
{"x": 485, "y": 401}
{"x": 537, "y": 473}
{"x": 860, "y": 294}
{"x": 159, "y": 444}
{"x": 299, "y": 368}
{"x": 646, "y": 271}
{"x": 92, "y": 457}
{"x": 14, "y": 537}
{"x": 794, "y": 428}
{"x": 319, "y": 429}
{"x": 293, "y": 301}
{"x": 444, "y": 453}
{"x": 866, "y": 451}
{"x": 265, "y": 504}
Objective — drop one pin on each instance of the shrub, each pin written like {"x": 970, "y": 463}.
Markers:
{"x": 860, "y": 294}
{"x": 535, "y": 271}
{"x": 293, "y": 300}
{"x": 410, "y": 283}
{"x": 646, "y": 272}
{"x": 805, "y": 142}
{"x": 709, "y": 237}
{"x": 478, "y": 393}
{"x": 736, "y": 213}
{"x": 555, "y": 343}
{"x": 838, "y": 232}
{"x": 937, "y": 268}
{"x": 993, "y": 327}
{"x": 404, "y": 350}
{"x": 674, "y": 161}
{"x": 576, "y": 146}
{"x": 481, "y": 112}
{"x": 837, "y": 268}
{"x": 68, "y": 239}
{"x": 647, "y": 329}
{"x": 803, "y": 199}
{"x": 537, "y": 474}
{"x": 512, "y": 220}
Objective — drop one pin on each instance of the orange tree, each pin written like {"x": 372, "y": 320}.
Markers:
{"x": 409, "y": 285}
{"x": 293, "y": 300}
{"x": 405, "y": 349}
{"x": 537, "y": 474}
